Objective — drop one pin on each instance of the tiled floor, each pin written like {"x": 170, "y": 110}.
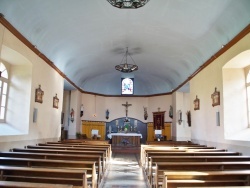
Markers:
{"x": 124, "y": 172}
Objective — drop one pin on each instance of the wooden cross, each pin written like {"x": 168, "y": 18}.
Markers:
{"x": 126, "y": 106}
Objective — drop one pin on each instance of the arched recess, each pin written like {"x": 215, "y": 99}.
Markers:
{"x": 236, "y": 119}
{"x": 136, "y": 125}
{"x": 19, "y": 95}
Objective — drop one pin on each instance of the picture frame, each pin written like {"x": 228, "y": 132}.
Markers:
{"x": 215, "y": 98}
{"x": 197, "y": 103}
{"x": 39, "y": 95}
{"x": 55, "y": 102}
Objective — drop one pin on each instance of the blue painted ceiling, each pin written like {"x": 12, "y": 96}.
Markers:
{"x": 168, "y": 39}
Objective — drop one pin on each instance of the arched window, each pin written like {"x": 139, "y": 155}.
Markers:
{"x": 3, "y": 91}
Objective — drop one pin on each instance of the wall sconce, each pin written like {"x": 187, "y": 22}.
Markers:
{"x": 179, "y": 117}
{"x": 107, "y": 114}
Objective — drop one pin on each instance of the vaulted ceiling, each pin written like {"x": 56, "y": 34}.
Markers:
{"x": 168, "y": 39}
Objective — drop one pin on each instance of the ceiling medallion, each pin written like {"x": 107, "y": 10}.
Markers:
{"x": 128, "y": 4}
{"x": 125, "y": 67}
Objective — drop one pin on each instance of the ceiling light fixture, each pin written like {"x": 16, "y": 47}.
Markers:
{"x": 128, "y": 4}
{"x": 125, "y": 67}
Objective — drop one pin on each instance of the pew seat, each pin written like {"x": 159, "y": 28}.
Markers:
{"x": 89, "y": 167}
{"x": 70, "y": 152}
{"x": 51, "y": 156}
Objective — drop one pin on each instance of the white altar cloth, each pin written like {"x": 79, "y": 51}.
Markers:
{"x": 123, "y": 134}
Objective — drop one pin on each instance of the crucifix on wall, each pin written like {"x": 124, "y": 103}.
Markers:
{"x": 126, "y": 106}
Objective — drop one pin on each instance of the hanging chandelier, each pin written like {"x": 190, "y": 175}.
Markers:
{"x": 128, "y": 4}
{"x": 125, "y": 67}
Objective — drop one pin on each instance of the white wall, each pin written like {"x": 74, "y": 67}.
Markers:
{"x": 180, "y": 131}
{"x": 204, "y": 128}
{"x": 27, "y": 72}
{"x": 75, "y": 126}
{"x": 66, "y": 109}
{"x": 116, "y": 110}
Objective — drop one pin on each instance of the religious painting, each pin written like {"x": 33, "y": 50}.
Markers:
{"x": 39, "y": 95}
{"x": 55, "y": 101}
{"x": 196, "y": 103}
{"x": 158, "y": 120}
{"x": 215, "y": 98}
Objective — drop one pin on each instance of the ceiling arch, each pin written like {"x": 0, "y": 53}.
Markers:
{"x": 169, "y": 40}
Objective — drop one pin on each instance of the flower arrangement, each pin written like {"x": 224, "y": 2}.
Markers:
{"x": 126, "y": 127}
{"x": 125, "y": 141}
{"x": 78, "y": 135}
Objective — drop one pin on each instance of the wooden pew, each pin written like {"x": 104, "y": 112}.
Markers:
{"x": 146, "y": 148}
{"x": 174, "y": 179}
{"x": 243, "y": 186}
{"x": 85, "y": 141}
{"x": 89, "y": 167}
{"x": 80, "y": 145}
{"x": 15, "y": 184}
{"x": 107, "y": 155}
{"x": 157, "y": 174}
{"x": 52, "y": 156}
{"x": 205, "y": 158}
{"x": 170, "y": 143}
{"x": 146, "y": 161}
{"x": 44, "y": 175}
{"x": 177, "y": 159}
{"x": 71, "y": 152}
{"x": 150, "y": 154}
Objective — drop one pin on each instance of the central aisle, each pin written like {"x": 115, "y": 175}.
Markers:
{"x": 124, "y": 172}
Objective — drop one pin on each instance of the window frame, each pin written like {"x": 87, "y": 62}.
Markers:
{"x": 247, "y": 82}
{"x": 4, "y": 81}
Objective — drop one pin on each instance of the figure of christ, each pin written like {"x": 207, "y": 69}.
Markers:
{"x": 126, "y": 106}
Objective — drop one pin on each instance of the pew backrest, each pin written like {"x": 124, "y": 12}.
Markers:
{"x": 44, "y": 175}
{"x": 15, "y": 184}
{"x": 89, "y": 167}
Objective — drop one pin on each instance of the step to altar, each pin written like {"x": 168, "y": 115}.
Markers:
{"x": 126, "y": 149}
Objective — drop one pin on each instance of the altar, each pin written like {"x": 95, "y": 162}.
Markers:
{"x": 125, "y": 139}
